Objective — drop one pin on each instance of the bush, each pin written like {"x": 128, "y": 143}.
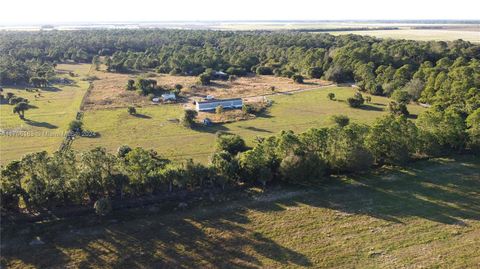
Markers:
{"x": 130, "y": 85}
{"x": 230, "y": 143}
{"x": 75, "y": 126}
{"x": 401, "y": 96}
{"x": 331, "y": 96}
{"x": 297, "y": 79}
{"x": 315, "y": 72}
{"x": 264, "y": 70}
{"x": 102, "y": 206}
{"x": 356, "y": 101}
{"x": 131, "y": 110}
{"x": 340, "y": 120}
{"x": 204, "y": 79}
{"x": 398, "y": 108}
{"x": 188, "y": 119}
{"x": 237, "y": 71}
{"x": 178, "y": 87}
{"x": 123, "y": 150}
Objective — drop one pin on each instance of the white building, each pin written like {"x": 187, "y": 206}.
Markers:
{"x": 225, "y": 103}
{"x": 169, "y": 97}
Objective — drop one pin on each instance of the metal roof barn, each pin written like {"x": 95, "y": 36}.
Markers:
{"x": 225, "y": 103}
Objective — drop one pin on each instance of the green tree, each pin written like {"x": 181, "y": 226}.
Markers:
{"x": 96, "y": 62}
{"x": 392, "y": 140}
{"x": 356, "y": 101}
{"x": 473, "y": 125}
{"x": 131, "y": 110}
{"x": 20, "y": 109}
{"x": 297, "y": 79}
{"x": 204, "y": 79}
{"x": 75, "y": 126}
{"x": 331, "y": 96}
{"x": 340, "y": 120}
{"x": 231, "y": 143}
{"x": 188, "y": 119}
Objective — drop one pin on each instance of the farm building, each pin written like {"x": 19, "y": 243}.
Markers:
{"x": 212, "y": 104}
{"x": 169, "y": 97}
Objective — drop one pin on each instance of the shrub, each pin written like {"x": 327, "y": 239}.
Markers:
{"x": 356, "y": 101}
{"x": 188, "y": 119}
{"x": 315, "y": 72}
{"x": 331, "y": 96}
{"x": 178, "y": 87}
{"x": 237, "y": 71}
{"x": 401, "y": 96}
{"x": 132, "y": 110}
{"x": 204, "y": 79}
{"x": 75, "y": 126}
{"x": 398, "y": 108}
{"x": 123, "y": 150}
{"x": 231, "y": 143}
{"x": 340, "y": 120}
{"x": 264, "y": 70}
{"x": 297, "y": 79}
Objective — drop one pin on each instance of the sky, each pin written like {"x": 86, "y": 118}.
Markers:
{"x": 61, "y": 11}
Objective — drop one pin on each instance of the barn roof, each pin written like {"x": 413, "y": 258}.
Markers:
{"x": 219, "y": 100}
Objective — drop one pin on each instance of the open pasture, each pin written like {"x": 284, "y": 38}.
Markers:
{"x": 426, "y": 215}
{"x": 48, "y": 118}
{"x": 109, "y": 90}
{"x": 157, "y": 127}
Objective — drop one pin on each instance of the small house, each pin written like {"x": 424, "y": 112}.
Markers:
{"x": 169, "y": 97}
{"x": 225, "y": 103}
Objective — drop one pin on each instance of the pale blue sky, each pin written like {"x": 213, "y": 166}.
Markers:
{"x": 42, "y": 11}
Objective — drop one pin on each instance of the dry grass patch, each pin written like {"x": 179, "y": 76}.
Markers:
{"x": 109, "y": 90}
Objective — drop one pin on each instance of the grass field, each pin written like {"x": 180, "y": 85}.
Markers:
{"x": 154, "y": 127}
{"x": 47, "y": 120}
{"x": 423, "y": 216}
{"x": 109, "y": 90}
{"x": 420, "y": 34}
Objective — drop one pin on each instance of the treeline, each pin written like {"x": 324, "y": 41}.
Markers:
{"x": 378, "y": 66}
{"x": 67, "y": 178}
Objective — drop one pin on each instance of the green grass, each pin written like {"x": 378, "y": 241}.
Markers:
{"x": 153, "y": 129}
{"x": 46, "y": 121}
{"x": 426, "y": 215}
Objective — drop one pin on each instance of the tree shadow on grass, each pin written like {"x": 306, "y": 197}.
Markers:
{"x": 180, "y": 240}
{"x": 219, "y": 236}
{"x": 40, "y": 124}
{"x": 255, "y": 129}
{"x": 141, "y": 116}
{"x": 370, "y": 108}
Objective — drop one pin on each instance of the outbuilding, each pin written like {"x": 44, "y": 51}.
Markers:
{"x": 225, "y": 103}
{"x": 169, "y": 97}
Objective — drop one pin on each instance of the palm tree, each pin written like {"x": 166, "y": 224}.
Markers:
{"x": 20, "y": 109}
